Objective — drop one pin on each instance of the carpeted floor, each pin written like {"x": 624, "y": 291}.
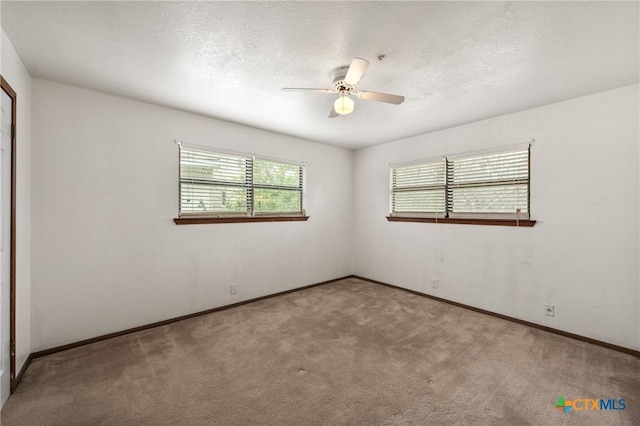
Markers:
{"x": 350, "y": 352}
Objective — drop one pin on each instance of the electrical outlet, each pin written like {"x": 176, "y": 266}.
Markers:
{"x": 435, "y": 283}
{"x": 549, "y": 310}
{"x": 233, "y": 288}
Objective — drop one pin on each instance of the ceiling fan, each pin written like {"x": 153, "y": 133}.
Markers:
{"x": 345, "y": 81}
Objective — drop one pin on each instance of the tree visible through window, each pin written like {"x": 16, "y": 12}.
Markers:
{"x": 218, "y": 183}
{"x": 277, "y": 187}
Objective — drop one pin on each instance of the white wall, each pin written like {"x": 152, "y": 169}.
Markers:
{"x": 582, "y": 256}
{"x": 106, "y": 253}
{"x": 15, "y": 73}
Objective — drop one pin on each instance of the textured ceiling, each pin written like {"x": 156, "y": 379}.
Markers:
{"x": 455, "y": 62}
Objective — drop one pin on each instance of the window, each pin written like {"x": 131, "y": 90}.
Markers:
{"x": 419, "y": 190}
{"x": 219, "y": 184}
{"x": 214, "y": 183}
{"x": 277, "y": 187}
{"x": 489, "y": 187}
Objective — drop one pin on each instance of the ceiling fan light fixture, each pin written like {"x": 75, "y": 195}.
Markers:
{"x": 344, "y": 104}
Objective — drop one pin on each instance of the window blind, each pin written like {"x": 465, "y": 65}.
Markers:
{"x": 221, "y": 183}
{"x": 418, "y": 190}
{"x": 214, "y": 183}
{"x": 492, "y": 185}
{"x": 489, "y": 186}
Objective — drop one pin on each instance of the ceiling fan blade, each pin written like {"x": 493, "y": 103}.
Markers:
{"x": 333, "y": 113}
{"x": 356, "y": 71}
{"x": 304, "y": 89}
{"x": 381, "y": 97}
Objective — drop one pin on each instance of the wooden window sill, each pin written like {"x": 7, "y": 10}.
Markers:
{"x": 494, "y": 222}
{"x": 195, "y": 220}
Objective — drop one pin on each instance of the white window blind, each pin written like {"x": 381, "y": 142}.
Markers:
{"x": 225, "y": 184}
{"x": 418, "y": 190}
{"x": 214, "y": 183}
{"x": 489, "y": 186}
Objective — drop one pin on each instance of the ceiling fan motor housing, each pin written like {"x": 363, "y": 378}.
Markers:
{"x": 339, "y": 84}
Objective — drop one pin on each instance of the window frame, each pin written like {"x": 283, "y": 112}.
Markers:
{"x": 250, "y": 214}
{"x": 470, "y": 218}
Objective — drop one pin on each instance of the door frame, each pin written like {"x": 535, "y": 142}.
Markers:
{"x": 12, "y": 260}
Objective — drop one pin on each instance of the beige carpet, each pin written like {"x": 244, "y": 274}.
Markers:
{"x": 350, "y": 352}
